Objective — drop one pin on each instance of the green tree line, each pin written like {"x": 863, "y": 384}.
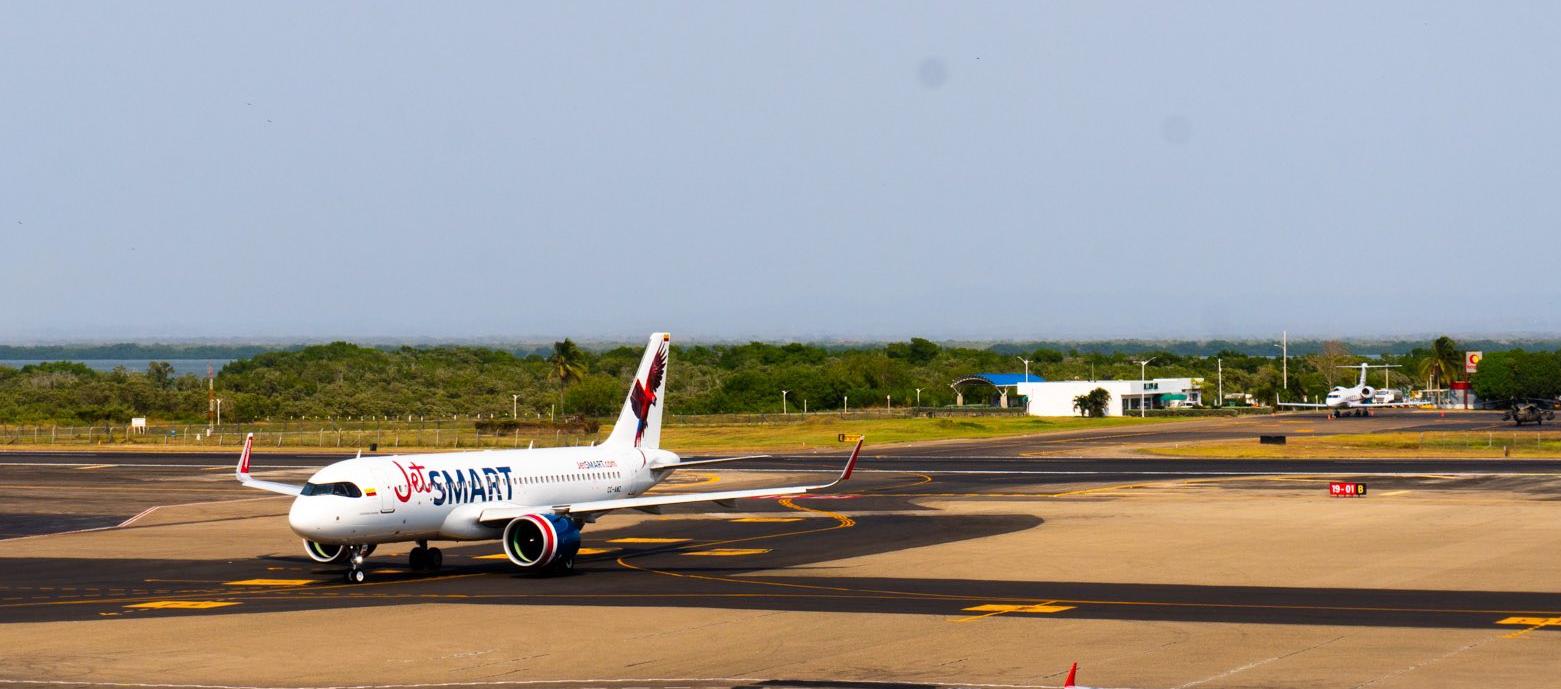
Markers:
{"x": 346, "y": 380}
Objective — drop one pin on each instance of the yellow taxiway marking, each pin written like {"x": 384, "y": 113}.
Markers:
{"x": 728, "y": 552}
{"x": 183, "y": 604}
{"x": 1392, "y": 492}
{"x": 1529, "y": 624}
{"x": 90, "y": 467}
{"x": 647, "y": 540}
{"x": 767, "y": 520}
{"x": 993, "y": 609}
{"x": 582, "y": 551}
{"x": 269, "y": 582}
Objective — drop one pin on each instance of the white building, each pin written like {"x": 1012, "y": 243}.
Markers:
{"x": 1055, "y": 398}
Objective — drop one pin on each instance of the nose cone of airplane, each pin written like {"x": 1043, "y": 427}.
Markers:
{"x": 309, "y": 517}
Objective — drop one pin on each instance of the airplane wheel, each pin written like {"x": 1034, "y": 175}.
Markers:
{"x": 356, "y": 576}
{"x": 418, "y": 559}
{"x": 435, "y": 559}
{"x": 564, "y": 566}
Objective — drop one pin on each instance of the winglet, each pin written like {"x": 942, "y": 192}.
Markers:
{"x": 851, "y": 463}
{"x": 1071, "y": 672}
{"x": 243, "y": 459}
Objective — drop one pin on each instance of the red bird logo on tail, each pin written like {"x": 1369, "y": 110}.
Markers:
{"x": 643, "y": 395}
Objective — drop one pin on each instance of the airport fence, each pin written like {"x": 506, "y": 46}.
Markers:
{"x": 389, "y": 435}
{"x": 1205, "y": 411}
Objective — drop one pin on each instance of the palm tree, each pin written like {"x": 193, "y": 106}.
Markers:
{"x": 1444, "y": 363}
{"x": 568, "y": 367}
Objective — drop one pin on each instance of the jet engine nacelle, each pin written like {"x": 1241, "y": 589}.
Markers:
{"x": 536, "y": 541}
{"x": 330, "y": 554}
{"x": 1366, "y": 393}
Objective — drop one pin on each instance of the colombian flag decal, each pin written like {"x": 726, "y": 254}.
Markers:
{"x": 371, "y": 492}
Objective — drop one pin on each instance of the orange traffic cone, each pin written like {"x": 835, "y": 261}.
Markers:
{"x": 1071, "y": 672}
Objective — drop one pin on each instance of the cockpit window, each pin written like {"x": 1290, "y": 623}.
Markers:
{"x": 343, "y": 489}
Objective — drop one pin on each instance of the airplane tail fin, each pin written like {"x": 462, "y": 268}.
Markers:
{"x": 639, "y": 424}
{"x": 1072, "y": 672}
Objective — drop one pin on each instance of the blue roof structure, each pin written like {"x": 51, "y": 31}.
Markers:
{"x": 1002, "y": 380}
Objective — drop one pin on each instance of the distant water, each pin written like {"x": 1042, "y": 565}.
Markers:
{"x": 180, "y": 366}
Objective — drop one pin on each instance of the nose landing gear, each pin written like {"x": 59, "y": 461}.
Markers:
{"x": 357, "y": 553}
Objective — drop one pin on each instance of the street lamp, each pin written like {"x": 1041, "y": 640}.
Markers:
{"x": 1284, "y": 358}
{"x": 514, "y": 406}
{"x": 219, "y": 412}
{"x": 918, "y": 398}
{"x": 1142, "y": 366}
{"x": 783, "y": 402}
{"x": 1026, "y": 368}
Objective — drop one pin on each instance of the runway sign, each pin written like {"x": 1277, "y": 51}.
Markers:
{"x": 1343, "y": 489}
{"x": 849, "y": 438}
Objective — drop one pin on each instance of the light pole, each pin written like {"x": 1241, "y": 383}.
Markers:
{"x": 918, "y": 398}
{"x": 1026, "y": 368}
{"x": 514, "y": 406}
{"x": 1284, "y": 358}
{"x": 888, "y": 401}
{"x": 219, "y": 412}
{"x": 845, "y": 404}
{"x": 1142, "y": 396}
{"x": 1220, "y": 364}
{"x": 783, "y": 402}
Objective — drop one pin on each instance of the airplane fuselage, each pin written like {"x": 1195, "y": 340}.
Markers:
{"x": 370, "y": 500}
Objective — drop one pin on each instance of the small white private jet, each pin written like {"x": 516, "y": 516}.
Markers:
{"x": 1358, "y": 400}
{"x": 533, "y": 501}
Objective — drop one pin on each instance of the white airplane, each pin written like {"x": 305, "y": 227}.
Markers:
{"x": 533, "y": 501}
{"x": 1358, "y": 400}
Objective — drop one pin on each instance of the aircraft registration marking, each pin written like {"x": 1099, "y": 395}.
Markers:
{"x": 183, "y": 604}
{"x": 767, "y": 520}
{"x": 647, "y": 540}
{"x": 269, "y": 582}
{"x": 728, "y": 552}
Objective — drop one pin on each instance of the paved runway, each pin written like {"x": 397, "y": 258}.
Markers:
{"x": 691, "y": 558}
{"x": 708, "y": 561}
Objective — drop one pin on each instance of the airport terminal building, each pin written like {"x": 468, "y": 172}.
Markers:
{"x": 1043, "y": 397}
{"x": 1055, "y": 398}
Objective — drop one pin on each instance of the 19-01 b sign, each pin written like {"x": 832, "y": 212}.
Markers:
{"x": 1345, "y": 489}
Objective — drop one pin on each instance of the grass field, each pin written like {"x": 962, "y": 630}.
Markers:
{"x": 1465, "y": 444}
{"x": 822, "y": 431}
{"x": 797, "y": 434}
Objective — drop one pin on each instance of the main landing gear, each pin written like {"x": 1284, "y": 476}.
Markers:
{"x": 425, "y": 559}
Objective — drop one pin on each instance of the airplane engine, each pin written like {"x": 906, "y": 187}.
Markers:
{"x": 536, "y": 542}
{"x": 329, "y": 554}
{"x": 1367, "y": 393}
{"x": 332, "y": 554}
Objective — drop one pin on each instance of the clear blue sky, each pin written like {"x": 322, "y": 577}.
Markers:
{"x": 784, "y": 169}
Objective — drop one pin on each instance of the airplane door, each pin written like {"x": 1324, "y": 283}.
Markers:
{"x": 389, "y": 479}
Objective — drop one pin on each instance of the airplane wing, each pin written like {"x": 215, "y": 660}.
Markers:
{"x": 242, "y": 473}
{"x": 1302, "y": 404}
{"x": 701, "y": 462}
{"x": 501, "y": 514}
{"x": 1375, "y": 405}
